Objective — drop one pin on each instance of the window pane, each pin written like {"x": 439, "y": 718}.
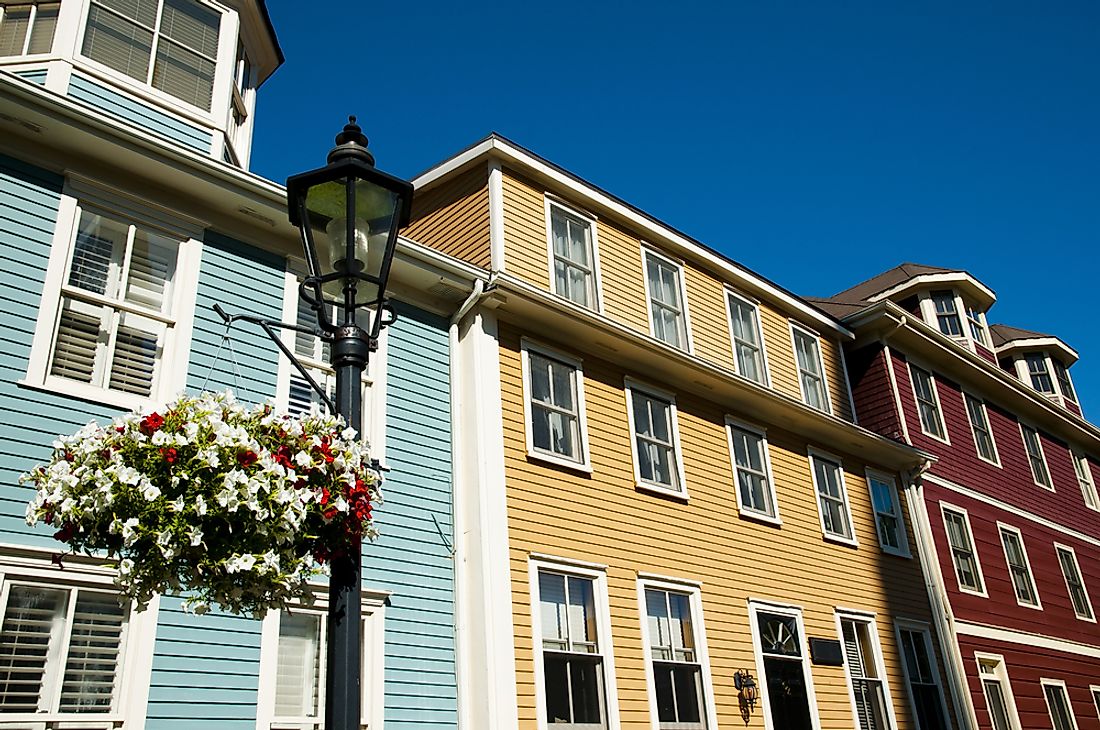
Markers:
{"x": 297, "y": 675}
{"x": 143, "y": 11}
{"x": 30, "y": 621}
{"x": 90, "y": 683}
{"x": 555, "y": 629}
{"x": 998, "y": 707}
{"x": 13, "y": 29}
{"x": 97, "y": 254}
{"x": 152, "y": 266}
{"x": 137, "y": 350}
{"x": 1059, "y": 707}
{"x": 192, "y": 25}
{"x": 118, "y": 43}
{"x": 184, "y": 74}
{"x": 45, "y": 22}
{"x": 81, "y": 340}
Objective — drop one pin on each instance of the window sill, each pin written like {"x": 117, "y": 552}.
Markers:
{"x": 1087, "y": 620}
{"x": 88, "y": 393}
{"x": 657, "y": 489}
{"x": 896, "y": 552}
{"x": 990, "y": 461}
{"x": 1032, "y": 606}
{"x": 942, "y": 439}
{"x": 840, "y": 540}
{"x": 748, "y": 514}
{"x": 973, "y": 592}
{"x": 561, "y": 461}
{"x": 1044, "y": 486}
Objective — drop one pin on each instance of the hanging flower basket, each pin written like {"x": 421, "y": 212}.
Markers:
{"x": 233, "y": 505}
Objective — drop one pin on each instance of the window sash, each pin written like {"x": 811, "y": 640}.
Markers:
{"x": 977, "y": 329}
{"x": 572, "y": 657}
{"x": 1084, "y": 479}
{"x": 1064, "y": 383}
{"x": 868, "y": 692}
{"x": 887, "y": 514}
{"x": 810, "y": 370}
{"x": 666, "y": 310}
{"x": 654, "y": 439}
{"x": 574, "y": 272}
{"x": 923, "y": 683}
{"x": 962, "y": 550}
{"x": 947, "y": 315}
{"x": 27, "y": 28}
{"x": 677, "y": 670}
{"x": 1075, "y": 586}
{"x": 746, "y": 339}
{"x": 750, "y": 462}
{"x": 997, "y": 703}
{"x": 928, "y": 406}
{"x": 1023, "y": 584}
{"x": 979, "y": 425}
{"x": 555, "y": 407}
{"x": 1058, "y": 705}
{"x": 832, "y": 498}
{"x": 1035, "y": 456}
{"x": 1040, "y": 375}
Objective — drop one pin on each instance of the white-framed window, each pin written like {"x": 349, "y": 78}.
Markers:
{"x": 1075, "y": 584}
{"x": 27, "y": 28}
{"x": 980, "y": 428}
{"x": 947, "y": 314}
{"x": 1095, "y": 691}
{"x": 922, "y": 677}
{"x": 554, "y": 411}
{"x": 1061, "y": 714}
{"x": 865, "y": 671}
{"x": 1065, "y": 385}
{"x": 117, "y": 303}
{"x": 573, "y": 255}
{"x": 655, "y": 439}
{"x": 976, "y": 320}
{"x": 1019, "y": 567}
{"x": 833, "y": 507}
{"x": 745, "y": 334}
{"x": 571, "y": 632}
{"x": 889, "y": 520}
{"x": 928, "y": 403}
{"x": 1084, "y": 478}
{"x": 752, "y": 471}
{"x": 968, "y": 569}
{"x": 677, "y": 666}
{"x": 241, "y": 104}
{"x": 667, "y": 297}
{"x": 1039, "y": 373}
{"x": 291, "y": 692}
{"x": 294, "y": 393}
{"x": 169, "y": 45}
{"x": 811, "y": 372}
{"x": 999, "y": 700}
{"x": 1033, "y": 445}
{"x": 786, "y": 682}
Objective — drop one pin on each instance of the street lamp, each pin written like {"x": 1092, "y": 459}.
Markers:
{"x": 349, "y": 214}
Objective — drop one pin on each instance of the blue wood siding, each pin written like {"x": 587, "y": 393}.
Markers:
{"x": 139, "y": 113}
{"x": 37, "y": 75}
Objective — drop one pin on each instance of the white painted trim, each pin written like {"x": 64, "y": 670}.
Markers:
{"x": 1001, "y": 671}
{"x": 1094, "y": 691}
{"x": 629, "y": 386}
{"x": 897, "y": 393}
{"x": 820, "y": 364}
{"x": 1045, "y": 682}
{"x": 945, "y": 438}
{"x": 812, "y": 454}
{"x": 1003, "y": 527}
{"x": 685, "y": 322}
{"x": 583, "y": 565}
{"x": 496, "y": 216}
{"x": 996, "y": 461}
{"x": 868, "y": 620}
{"x": 1042, "y": 456}
{"x": 921, "y": 628}
{"x": 584, "y": 463}
{"x": 1091, "y": 618}
{"x": 773, "y": 519}
{"x": 671, "y": 580}
{"x": 946, "y": 277}
{"x": 603, "y": 637}
{"x": 549, "y": 203}
{"x": 847, "y": 382}
{"x": 1025, "y": 638}
{"x": 960, "y": 511}
{"x": 755, "y": 607}
{"x": 902, "y": 551}
{"x": 1038, "y": 343}
{"x": 755, "y": 306}
{"x": 1080, "y": 458}
{"x": 695, "y": 600}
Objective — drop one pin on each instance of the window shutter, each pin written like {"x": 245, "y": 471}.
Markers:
{"x": 134, "y": 358}
{"x": 117, "y": 42}
{"x": 13, "y": 29}
{"x": 152, "y": 266}
{"x": 91, "y": 670}
{"x": 91, "y": 262}
{"x": 32, "y": 620}
{"x": 78, "y": 340}
{"x": 297, "y": 676}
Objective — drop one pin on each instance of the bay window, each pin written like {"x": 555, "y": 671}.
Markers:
{"x": 27, "y": 28}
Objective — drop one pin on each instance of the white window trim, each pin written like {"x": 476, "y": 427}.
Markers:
{"x": 902, "y": 551}
{"x": 1084, "y": 588}
{"x": 996, "y": 460}
{"x": 1045, "y": 682}
{"x": 551, "y": 202}
{"x": 945, "y": 438}
{"x": 598, "y": 574}
{"x": 1001, "y": 671}
{"x": 1038, "y": 605}
{"x": 922, "y": 628}
{"x": 136, "y": 657}
{"x": 373, "y": 669}
{"x": 755, "y": 305}
{"x": 1042, "y": 455}
{"x": 816, "y": 453}
{"x": 868, "y": 619}
{"x": 1080, "y": 457}
{"x": 175, "y": 357}
{"x": 1094, "y": 693}
{"x": 1024, "y": 374}
{"x": 757, "y": 606}
{"x": 944, "y": 508}
{"x": 732, "y": 423}
{"x": 629, "y": 386}
{"x": 647, "y": 250}
{"x": 585, "y": 463}
{"x": 966, "y": 339}
{"x": 820, "y": 362}
{"x": 694, "y": 593}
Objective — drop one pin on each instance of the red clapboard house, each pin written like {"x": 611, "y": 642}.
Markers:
{"x": 1008, "y": 516}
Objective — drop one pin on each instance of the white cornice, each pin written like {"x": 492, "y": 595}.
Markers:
{"x": 1067, "y": 353}
{"x": 978, "y": 291}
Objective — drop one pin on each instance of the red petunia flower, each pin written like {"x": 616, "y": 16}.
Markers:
{"x": 246, "y": 458}
{"x": 170, "y": 455}
{"x": 151, "y": 423}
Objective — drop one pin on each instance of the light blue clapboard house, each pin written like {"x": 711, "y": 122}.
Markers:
{"x": 126, "y": 212}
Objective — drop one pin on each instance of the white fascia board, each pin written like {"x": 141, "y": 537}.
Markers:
{"x": 1041, "y": 343}
{"x": 654, "y": 230}
{"x": 978, "y": 289}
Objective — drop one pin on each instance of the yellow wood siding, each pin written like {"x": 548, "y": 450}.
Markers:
{"x": 453, "y": 217}
{"x": 710, "y": 328}
{"x": 622, "y": 276}
{"x": 601, "y": 518}
{"x": 525, "y": 230}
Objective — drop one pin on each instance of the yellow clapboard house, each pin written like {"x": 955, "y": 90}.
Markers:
{"x": 659, "y": 481}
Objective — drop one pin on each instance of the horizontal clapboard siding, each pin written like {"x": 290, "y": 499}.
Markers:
{"x": 454, "y": 217}
{"x": 37, "y": 75}
{"x": 873, "y": 392}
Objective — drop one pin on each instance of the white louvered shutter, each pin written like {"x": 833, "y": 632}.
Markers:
{"x": 95, "y": 639}
{"x": 853, "y": 655}
{"x": 81, "y": 339}
{"x": 29, "y": 637}
{"x": 298, "y": 676}
{"x": 135, "y": 355}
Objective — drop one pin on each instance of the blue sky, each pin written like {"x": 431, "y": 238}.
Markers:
{"x": 816, "y": 143}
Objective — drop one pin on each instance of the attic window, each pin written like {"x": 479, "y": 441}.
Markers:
{"x": 977, "y": 327}
{"x": 947, "y": 315}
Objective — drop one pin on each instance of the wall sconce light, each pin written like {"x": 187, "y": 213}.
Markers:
{"x": 747, "y": 692}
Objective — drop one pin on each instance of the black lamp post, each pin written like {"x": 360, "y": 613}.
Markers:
{"x": 349, "y": 214}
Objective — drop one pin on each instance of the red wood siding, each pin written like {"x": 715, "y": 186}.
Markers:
{"x": 985, "y": 352}
{"x": 871, "y": 391}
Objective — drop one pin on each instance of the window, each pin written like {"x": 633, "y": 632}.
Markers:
{"x": 888, "y": 518}
{"x": 947, "y": 315}
{"x": 752, "y": 471}
{"x": 1061, "y": 715}
{"x": 667, "y": 306}
{"x": 677, "y": 667}
{"x": 571, "y": 630}
{"x": 61, "y": 653}
{"x": 968, "y": 570}
{"x": 977, "y": 326}
{"x": 241, "y": 104}
{"x": 1084, "y": 478}
{"x": 27, "y": 28}
{"x": 832, "y": 498}
{"x": 292, "y": 665}
{"x": 1064, "y": 383}
{"x": 998, "y": 692}
{"x": 1095, "y": 690}
{"x": 922, "y": 677}
{"x": 787, "y": 686}
{"x": 655, "y": 439}
{"x": 748, "y": 345}
{"x": 1075, "y": 585}
{"x": 866, "y": 673}
{"x": 807, "y": 350}
{"x": 928, "y": 402}
{"x": 1040, "y": 375}
{"x": 172, "y": 45}
{"x": 1034, "y": 448}
{"x": 978, "y": 414}
{"x": 554, "y": 406}
{"x": 572, "y": 255}
{"x": 1019, "y": 568}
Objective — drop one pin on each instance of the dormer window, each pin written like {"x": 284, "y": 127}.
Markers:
{"x": 1039, "y": 374}
{"x": 977, "y": 326}
{"x": 1047, "y": 375}
{"x": 1064, "y": 383}
{"x": 947, "y": 316}
{"x": 27, "y": 28}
